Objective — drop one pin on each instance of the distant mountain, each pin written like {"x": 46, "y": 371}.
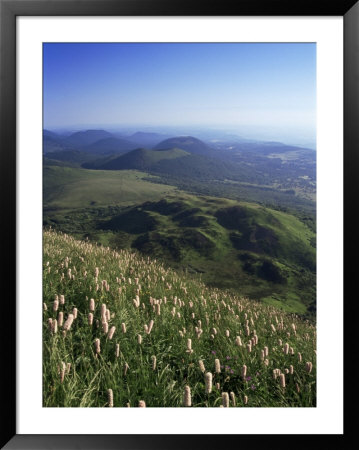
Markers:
{"x": 139, "y": 159}
{"x": 188, "y": 143}
{"x": 148, "y": 140}
{"x": 81, "y": 139}
{"x": 110, "y": 145}
{"x": 51, "y": 134}
{"x": 52, "y": 143}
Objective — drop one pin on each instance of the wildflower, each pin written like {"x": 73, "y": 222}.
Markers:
{"x": 74, "y": 312}
{"x": 291, "y": 369}
{"x": 248, "y": 378}
{"x": 117, "y": 351}
{"x": 233, "y": 398}
{"x": 56, "y": 305}
{"x": 299, "y": 357}
{"x": 201, "y": 366}
{"x": 238, "y": 341}
{"x": 68, "y": 322}
{"x": 110, "y": 398}
{"x": 123, "y": 327}
{"x": 54, "y": 326}
{"x": 253, "y": 387}
{"x": 103, "y": 311}
{"x": 105, "y": 327}
{"x": 111, "y": 332}
{"x": 208, "y": 382}
{"x": 150, "y": 326}
{"x": 189, "y": 346}
{"x": 126, "y": 368}
{"x": 63, "y": 371}
{"x": 97, "y": 346}
{"x": 245, "y": 399}
{"x": 62, "y": 299}
{"x": 60, "y": 319}
{"x": 142, "y": 404}
{"x": 49, "y": 324}
{"x": 225, "y": 399}
{"x": 187, "y": 396}
{"x": 286, "y": 349}
{"x": 244, "y": 371}
{"x": 158, "y": 309}
{"x": 249, "y": 347}
{"x": 90, "y": 318}
{"x": 154, "y": 362}
{"x": 45, "y": 306}
{"x": 227, "y": 333}
{"x": 308, "y": 367}
{"x": 282, "y": 380}
{"x": 217, "y": 366}
{"x": 139, "y": 339}
{"x": 92, "y": 304}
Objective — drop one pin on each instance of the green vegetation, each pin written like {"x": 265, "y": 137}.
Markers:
{"x": 72, "y": 188}
{"x": 151, "y": 334}
{"x": 241, "y": 246}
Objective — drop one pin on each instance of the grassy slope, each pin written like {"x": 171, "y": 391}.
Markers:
{"x": 76, "y": 201}
{"x": 71, "y": 188}
{"x": 69, "y": 270}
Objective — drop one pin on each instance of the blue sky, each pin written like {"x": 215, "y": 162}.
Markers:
{"x": 249, "y": 88}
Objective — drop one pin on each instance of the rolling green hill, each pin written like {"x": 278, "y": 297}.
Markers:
{"x": 267, "y": 254}
{"x": 188, "y": 143}
{"x": 68, "y": 188}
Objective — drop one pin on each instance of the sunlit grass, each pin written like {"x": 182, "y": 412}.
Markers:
{"x": 184, "y": 327}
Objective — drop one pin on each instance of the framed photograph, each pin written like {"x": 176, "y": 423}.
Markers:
{"x": 175, "y": 178}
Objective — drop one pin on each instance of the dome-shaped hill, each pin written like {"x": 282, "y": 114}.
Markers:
{"x": 141, "y": 159}
{"x": 188, "y": 143}
{"x": 83, "y": 138}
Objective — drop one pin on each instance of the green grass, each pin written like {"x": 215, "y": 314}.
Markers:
{"x": 69, "y": 270}
{"x": 72, "y": 188}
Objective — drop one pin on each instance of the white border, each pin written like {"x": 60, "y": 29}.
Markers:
{"x": 327, "y": 417}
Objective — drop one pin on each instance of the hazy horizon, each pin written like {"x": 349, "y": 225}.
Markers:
{"x": 257, "y": 91}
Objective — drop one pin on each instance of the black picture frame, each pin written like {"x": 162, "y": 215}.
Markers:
{"x": 9, "y": 10}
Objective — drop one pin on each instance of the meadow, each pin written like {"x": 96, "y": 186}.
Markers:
{"x": 122, "y": 330}
{"x": 67, "y": 188}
